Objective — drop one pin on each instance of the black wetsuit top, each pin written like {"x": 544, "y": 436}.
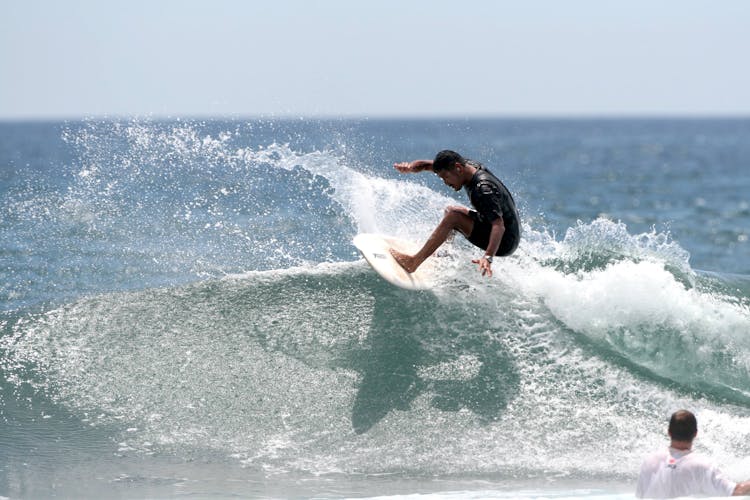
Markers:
{"x": 491, "y": 199}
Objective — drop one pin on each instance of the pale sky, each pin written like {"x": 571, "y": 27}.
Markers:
{"x": 384, "y": 58}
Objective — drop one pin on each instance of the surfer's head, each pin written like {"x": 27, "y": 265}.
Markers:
{"x": 683, "y": 426}
{"x": 446, "y": 160}
{"x": 451, "y": 167}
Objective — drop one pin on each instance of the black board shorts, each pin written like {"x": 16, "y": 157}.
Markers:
{"x": 480, "y": 236}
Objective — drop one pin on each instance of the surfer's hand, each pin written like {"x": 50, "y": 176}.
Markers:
{"x": 405, "y": 167}
{"x": 485, "y": 266}
{"x": 412, "y": 167}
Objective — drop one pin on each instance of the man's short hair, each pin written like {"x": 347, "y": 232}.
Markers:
{"x": 446, "y": 160}
{"x": 683, "y": 426}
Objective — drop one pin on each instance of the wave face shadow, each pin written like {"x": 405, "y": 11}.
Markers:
{"x": 418, "y": 344}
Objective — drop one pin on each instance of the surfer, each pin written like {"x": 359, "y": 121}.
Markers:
{"x": 677, "y": 471}
{"x": 493, "y": 226}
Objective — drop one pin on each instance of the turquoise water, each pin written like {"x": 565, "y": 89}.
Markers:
{"x": 183, "y": 312}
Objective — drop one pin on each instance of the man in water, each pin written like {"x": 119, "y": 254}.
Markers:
{"x": 677, "y": 471}
{"x": 494, "y": 224}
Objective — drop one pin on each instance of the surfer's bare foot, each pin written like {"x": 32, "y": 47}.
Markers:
{"x": 405, "y": 261}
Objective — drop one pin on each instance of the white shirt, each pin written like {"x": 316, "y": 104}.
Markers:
{"x": 670, "y": 473}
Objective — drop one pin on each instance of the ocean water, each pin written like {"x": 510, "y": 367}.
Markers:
{"x": 182, "y": 312}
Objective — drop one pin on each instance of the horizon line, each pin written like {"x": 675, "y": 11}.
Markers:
{"x": 378, "y": 117}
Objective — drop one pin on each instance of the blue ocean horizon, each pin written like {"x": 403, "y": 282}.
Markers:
{"x": 182, "y": 311}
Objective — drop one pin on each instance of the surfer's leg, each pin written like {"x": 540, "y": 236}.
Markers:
{"x": 455, "y": 219}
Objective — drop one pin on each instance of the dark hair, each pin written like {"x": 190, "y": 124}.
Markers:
{"x": 446, "y": 160}
{"x": 683, "y": 426}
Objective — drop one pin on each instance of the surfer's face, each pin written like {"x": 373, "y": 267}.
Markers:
{"x": 452, "y": 177}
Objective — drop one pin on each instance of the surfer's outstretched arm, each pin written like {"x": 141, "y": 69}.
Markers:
{"x": 412, "y": 167}
{"x": 742, "y": 489}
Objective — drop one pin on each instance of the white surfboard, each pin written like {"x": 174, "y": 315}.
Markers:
{"x": 375, "y": 250}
